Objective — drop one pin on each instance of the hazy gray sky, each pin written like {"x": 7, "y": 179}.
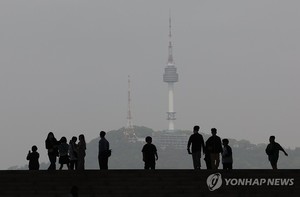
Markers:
{"x": 64, "y": 67}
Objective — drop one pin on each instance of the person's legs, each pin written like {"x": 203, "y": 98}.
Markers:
{"x": 72, "y": 163}
{"x": 215, "y": 160}
{"x": 196, "y": 160}
{"x": 147, "y": 166}
{"x": 274, "y": 165}
{"x": 207, "y": 161}
{"x": 273, "y": 160}
{"x": 81, "y": 163}
{"x": 212, "y": 161}
{"x": 52, "y": 159}
{"x": 152, "y": 166}
{"x": 103, "y": 163}
{"x": 76, "y": 164}
{"x": 227, "y": 166}
{"x": 99, "y": 162}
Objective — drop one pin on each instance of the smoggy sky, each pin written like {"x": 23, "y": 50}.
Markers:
{"x": 64, "y": 67}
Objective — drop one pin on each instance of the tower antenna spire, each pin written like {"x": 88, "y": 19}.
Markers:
{"x": 129, "y": 117}
{"x": 129, "y": 130}
{"x": 170, "y": 57}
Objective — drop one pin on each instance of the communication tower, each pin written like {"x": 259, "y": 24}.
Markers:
{"x": 170, "y": 76}
{"x": 129, "y": 130}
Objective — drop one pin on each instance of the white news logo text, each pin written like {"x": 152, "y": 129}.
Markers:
{"x": 259, "y": 181}
{"x": 215, "y": 181}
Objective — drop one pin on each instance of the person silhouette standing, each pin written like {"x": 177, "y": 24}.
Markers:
{"x": 104, "y": 152}
{"x": 63, "y": 149}
{"x": 81, "y": 152}
{"x": 272, "y": 151}
{"x": 73, "y": 153}
{"x": 214, "y": 147}
{"x": 227, "y": 155}
{"x": 149, "y": 154}
{"x": 197, "y": 142}
{"x": 33, "y": 158}
{"x": 52, "y": 147}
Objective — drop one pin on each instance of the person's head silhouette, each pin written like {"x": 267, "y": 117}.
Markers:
{"x": 74, "y": 139}
{"x": 214, "y": 131}
{"x": 225, "y": 141}
{"x": 148, "y": 139}
{"x": 196, "y": 129}
{"x": 63, "y": 140}
{"x": 50, "y": 136}
{"x": 34, "y": 148}
{"x": 272, "y": 139}
{"x": 102, "y": 134}
{"x": 81, "y": 138}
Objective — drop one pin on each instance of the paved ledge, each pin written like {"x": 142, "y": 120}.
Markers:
{"x": 158, "y": 183}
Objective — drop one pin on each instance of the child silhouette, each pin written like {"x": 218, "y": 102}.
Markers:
{"x": 33, "y": 158}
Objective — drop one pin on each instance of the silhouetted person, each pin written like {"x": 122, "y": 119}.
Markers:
{"x": 149, "y": 154}
{"x": 104, "y": 152}
{"x": 272, "y": 151}
{"x": 227, "y": 155}
{"x": 63, "y": 149}
{"x": 81, "y": 152}
{"x": 33, "y": 158}
{"x": 52, "y": 147}
{"x": 214, "y": 147}
{"x": 197, "y": 142}
{"x": 74, "y": 191}
{"x": 73, "y": 153}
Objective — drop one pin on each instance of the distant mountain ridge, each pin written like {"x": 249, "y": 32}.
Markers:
{"x": 128, "y": 155}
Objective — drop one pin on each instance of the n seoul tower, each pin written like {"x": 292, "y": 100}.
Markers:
{"x": 170, "y": 77}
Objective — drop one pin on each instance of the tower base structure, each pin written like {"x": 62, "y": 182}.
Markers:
{"x": 170, "y": 138}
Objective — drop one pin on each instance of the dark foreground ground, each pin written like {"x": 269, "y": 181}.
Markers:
{"x": 159, "y": 183}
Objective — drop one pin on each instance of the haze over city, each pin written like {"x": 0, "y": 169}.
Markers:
{"x": 64, "y": 66}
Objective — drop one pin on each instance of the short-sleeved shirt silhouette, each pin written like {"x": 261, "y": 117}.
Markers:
{"x": 272, "y": 151}
{"x": 149, "y": 151}
{"x": 197, "y": 141}
{"x": 214, "y": 144}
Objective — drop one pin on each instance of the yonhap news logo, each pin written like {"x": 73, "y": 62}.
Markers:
{"x": 215, "y": 181}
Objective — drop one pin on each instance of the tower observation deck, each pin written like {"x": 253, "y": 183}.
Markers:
{"x": 170, "y": 76}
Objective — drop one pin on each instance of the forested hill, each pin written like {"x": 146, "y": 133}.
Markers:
{"x": 128, "y": 155}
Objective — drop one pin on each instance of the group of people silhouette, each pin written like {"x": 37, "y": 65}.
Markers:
{"x": 212, "y": 149}
{"x": 73, "y": 154}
